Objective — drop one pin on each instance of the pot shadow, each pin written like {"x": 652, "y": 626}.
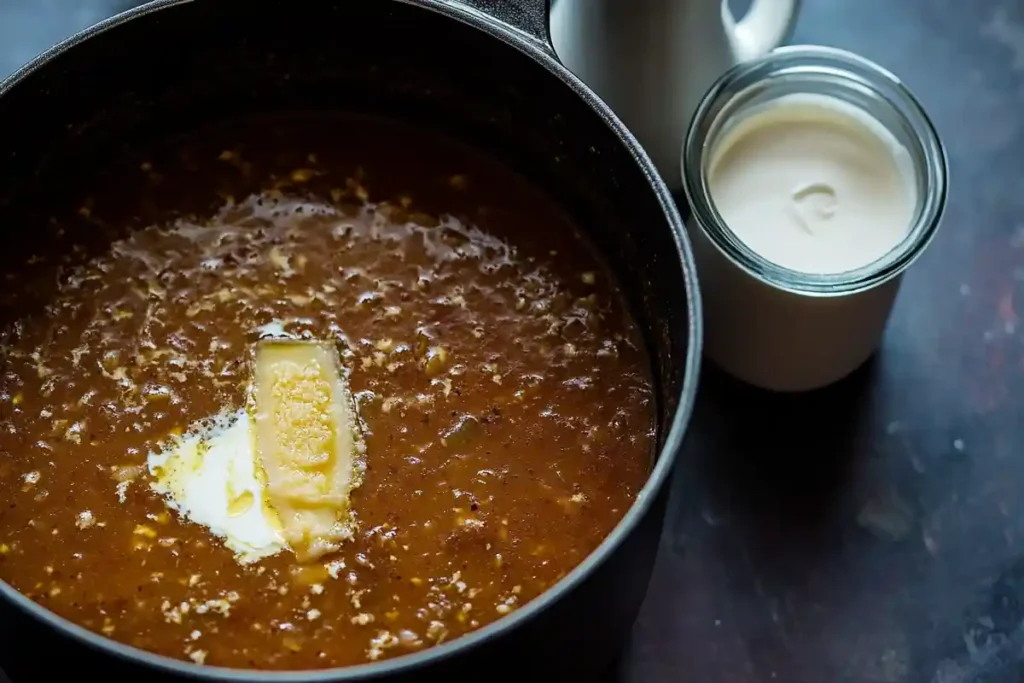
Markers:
{"x": 772, "y": 464}
{"x": 763, "y": 494}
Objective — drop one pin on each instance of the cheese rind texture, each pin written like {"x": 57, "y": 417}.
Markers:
{"x": 308, "y": 443}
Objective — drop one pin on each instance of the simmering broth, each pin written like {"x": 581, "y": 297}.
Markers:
{"x": 502, "y": 391}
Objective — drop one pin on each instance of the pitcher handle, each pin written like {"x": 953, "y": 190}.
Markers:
{"x": 767, "y": 25}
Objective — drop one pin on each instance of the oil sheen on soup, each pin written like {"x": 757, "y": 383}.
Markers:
{"x": 497, "y": 390}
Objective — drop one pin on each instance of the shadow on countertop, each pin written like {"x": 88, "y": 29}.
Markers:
{"x": 781, "y": 468}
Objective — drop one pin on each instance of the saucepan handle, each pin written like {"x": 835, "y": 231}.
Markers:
{"x": 529, "y": 19}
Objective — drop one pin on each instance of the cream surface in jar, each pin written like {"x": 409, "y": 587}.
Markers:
{"x": 813, "y": 184}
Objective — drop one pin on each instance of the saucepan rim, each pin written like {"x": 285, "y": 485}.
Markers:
{"x": 645, "y": 498}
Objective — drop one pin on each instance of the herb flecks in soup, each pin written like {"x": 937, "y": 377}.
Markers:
{"x": 501, "y": 419}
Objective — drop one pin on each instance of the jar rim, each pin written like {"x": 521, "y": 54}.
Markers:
{"x": 840, "y": 70}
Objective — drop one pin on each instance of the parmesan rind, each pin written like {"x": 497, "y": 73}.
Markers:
{"x": 308, "y": 443}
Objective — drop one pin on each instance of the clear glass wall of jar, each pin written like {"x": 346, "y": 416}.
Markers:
{"x": 777, "y": 328}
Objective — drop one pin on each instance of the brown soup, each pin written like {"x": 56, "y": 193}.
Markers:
{"x": 502, "y": 388}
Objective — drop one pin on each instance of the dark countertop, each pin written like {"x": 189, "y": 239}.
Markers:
{"x": 875, "y": 532}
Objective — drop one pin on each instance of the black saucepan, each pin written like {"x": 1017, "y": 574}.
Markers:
{"x": 485, "y": 74}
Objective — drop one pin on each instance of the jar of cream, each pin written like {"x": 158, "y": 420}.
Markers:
{"x": 815, "y": 179}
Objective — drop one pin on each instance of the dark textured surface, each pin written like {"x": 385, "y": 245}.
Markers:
{"x": 873, "y": 532}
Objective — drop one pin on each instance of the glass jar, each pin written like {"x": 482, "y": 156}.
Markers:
{"x": 778, "y": 328}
